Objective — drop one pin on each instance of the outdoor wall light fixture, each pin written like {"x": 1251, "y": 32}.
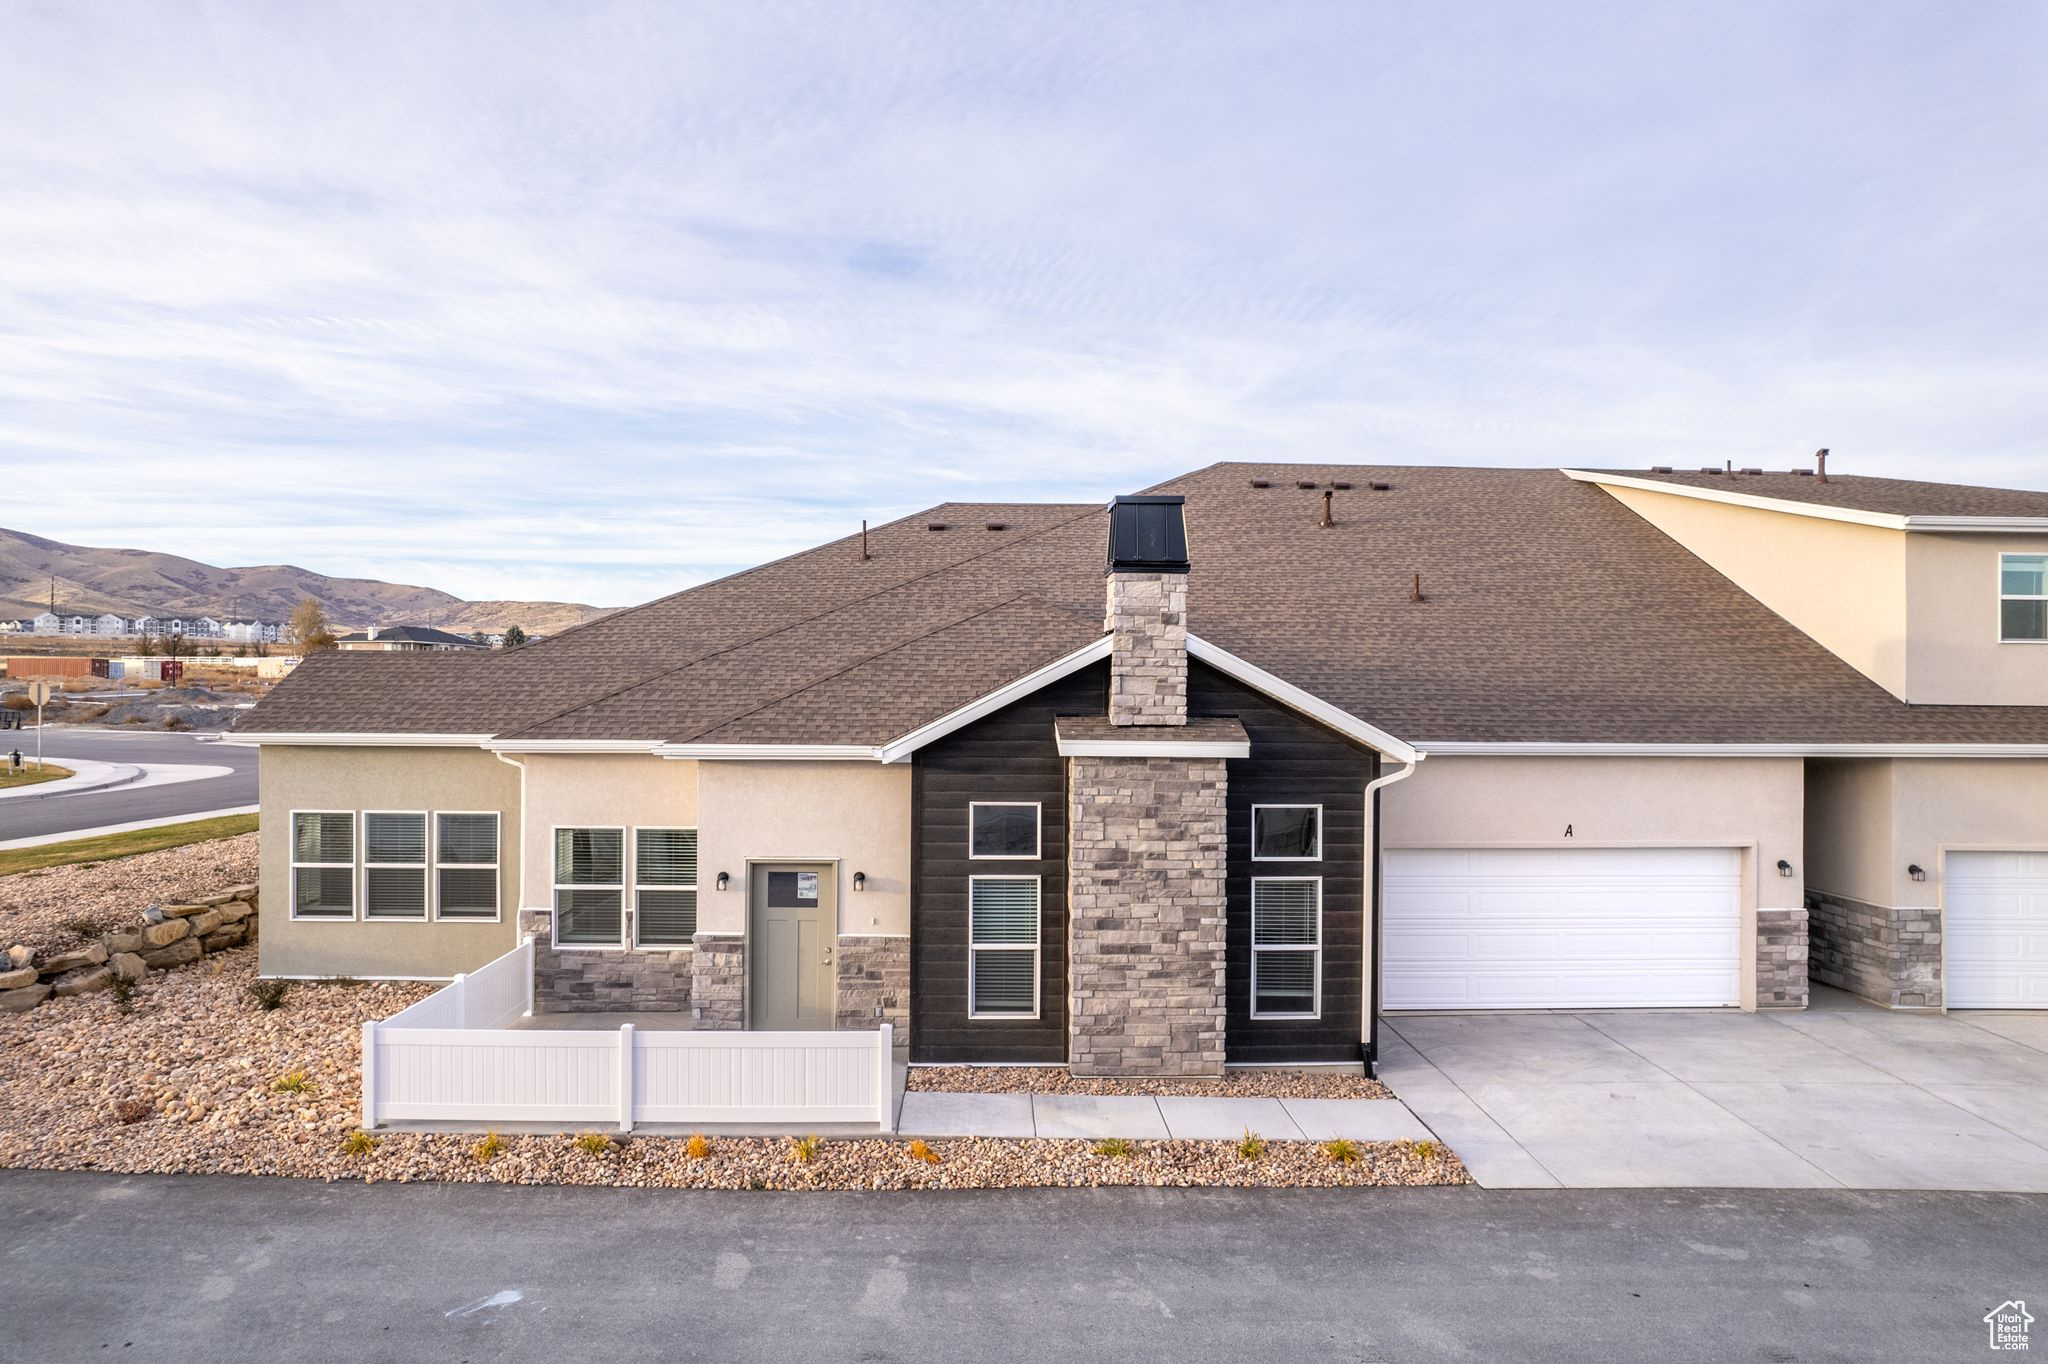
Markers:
{"x": 1784, "y": 867}
{"x": 1916, "y": 871}
{"x": 723, "y": 880}
{"x": 860, "y": 880}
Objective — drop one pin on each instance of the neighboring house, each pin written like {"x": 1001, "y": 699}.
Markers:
{"x": 109, "y": 624}
{"x": 48, "y": 623}
{"x": 1360, "y": 739}
{"x": 142, "y": 626}
{"x": 405, "y": 639}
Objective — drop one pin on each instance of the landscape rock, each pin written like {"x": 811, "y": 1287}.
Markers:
{"x": 20, "y": 1001}
{"x": 246, "y": 891}
{"x": 21, "y": 956}
{"x": 129, "y": 941}
{"x": 84, "y": 982}
{"x": 231, "y": 936}
{"x": 153, "y": 915}
{"x": 177, "y": 954}
{"x": 203, "y": 924}
{"x": 183, "y": 911}
{"x": 165, "y": 933}
{"x": 129, "y": 966}
{"x": 18, "y": 977}
{"x": 90, "y": 955}
{"x": 41, "y": 910}
{"x": 217, "y": 900}
{"x": 234, "y": 911}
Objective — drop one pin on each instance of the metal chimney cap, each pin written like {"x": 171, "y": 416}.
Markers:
{"x": 1148, "y": 534}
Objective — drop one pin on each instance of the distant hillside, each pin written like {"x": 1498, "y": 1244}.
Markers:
{"x": 129, "y": 582}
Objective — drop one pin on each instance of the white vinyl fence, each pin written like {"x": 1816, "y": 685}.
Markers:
{"x": 452, "y": 1058}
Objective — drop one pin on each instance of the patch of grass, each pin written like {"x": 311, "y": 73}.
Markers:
{"x": 30, "y": 775}
{"x": 106, "y": 847}
{"x": 358, "y": 1144}
{"x": 1116, "y": 1148}
{"x": 1425, "y": 1150}
{"x": 489, "y": 1149}
{"x": 269, "y": 994}
{"x": 804, "y": 1150}
{"x": 920, "y": 1151}
{"x": 122, "y": 991}
{"x": 594, "y": 1144}
{"x": 1251, "y": 1146}
{"x": 293, "y": 1082}
{"x": 698, "y": 1146}
{"x": 81, "y": 928}
{"x": 1343, "y": 1150}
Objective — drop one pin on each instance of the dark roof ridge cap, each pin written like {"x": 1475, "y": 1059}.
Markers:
{"x": 797, "y": 624}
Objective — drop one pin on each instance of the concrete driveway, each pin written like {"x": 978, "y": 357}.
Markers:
{"x": 1843, "y": 1095}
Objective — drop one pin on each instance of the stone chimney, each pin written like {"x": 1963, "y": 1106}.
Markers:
{"x": 1146, "y": 613}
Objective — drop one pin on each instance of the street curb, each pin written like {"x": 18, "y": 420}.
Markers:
{"x": 122, "y": 774}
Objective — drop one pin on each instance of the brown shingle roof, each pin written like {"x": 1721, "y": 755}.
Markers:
{"x": 1856, "y": 492}
{"x": 1551, "y": 613}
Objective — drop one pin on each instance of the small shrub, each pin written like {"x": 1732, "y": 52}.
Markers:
{"x": 293, "y": 1082}
{"x": 756, "y": 1184}
{"x": 698, "y": 1146}
{"x": 133, "y": 1110}
{"x": 1251, "y": 1146}
{"x": 358, "y": 1144}
{"x": 134, "y": 719}
{"x": 1117, "y": 1148}
{"x": 176, "y": 722}
{"x": 1425, "y": 1150}
{"x": 122, "y": 991}
{"x": 1343, "y": 1150}
{"x": 269, "y": 994}
{"x": 17, "y": 701}
{"x": 489, "y": 1149}
{"x": 81, "y": 928}
{"x": 345, "y": 982}
{"x": 594, "y": 1143}
{"x": 804, "y": 1150}
{"x": 920, "y": 1151}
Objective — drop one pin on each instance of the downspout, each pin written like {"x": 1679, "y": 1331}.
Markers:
{"x": 519, "y": 763}
{"x": 1369, "y": 1026}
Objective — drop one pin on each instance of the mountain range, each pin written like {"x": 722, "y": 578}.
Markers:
{"x": 131, "y": 582}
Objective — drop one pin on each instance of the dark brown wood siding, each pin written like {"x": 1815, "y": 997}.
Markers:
{"x": 1010, "y": 755}
{"x": 1294, "y": 761}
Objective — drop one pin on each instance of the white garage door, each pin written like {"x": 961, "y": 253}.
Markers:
{"x": 1995, "y": 912}
{"x": 1555, "y": 928}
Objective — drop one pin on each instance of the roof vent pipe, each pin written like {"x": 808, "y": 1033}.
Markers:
{"x": 1328, "y": 520}
{"x": 1415, "y": 593}
{"x": 864, "y": 541}
{"x": 1820, "y": 465}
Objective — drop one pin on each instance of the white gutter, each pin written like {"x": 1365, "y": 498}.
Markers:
{"x": 1294, "y": 698}
{"x": 772, "y": 752}
{"x": 331, "y": 740}
{"x": 1370, "y": 1000}
{"x": 1545, "y": 749}
{"x": 1923, "y": 525}
{"x": 896, "y": 750}
{"x": 571, "y": 745}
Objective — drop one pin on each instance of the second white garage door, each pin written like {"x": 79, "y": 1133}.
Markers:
{"x": 1562, "y": 928}
{"x": 1996, "y": 920}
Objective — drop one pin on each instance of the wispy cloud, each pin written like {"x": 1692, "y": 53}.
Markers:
{"x": 592, "y": 302}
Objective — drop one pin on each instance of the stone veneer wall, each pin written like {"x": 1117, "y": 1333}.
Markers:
{"x": 874, "y": 974}
{"x": 630, "y": 980}
{"x": 718, "y": 982}
{"x": 1147, "y": 613}
{"x": 1891, "y": 956}
{"x": 1146, "y": 857}
{"x": 1781, "y": 956}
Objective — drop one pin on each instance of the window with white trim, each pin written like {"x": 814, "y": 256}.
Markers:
{"x": 466, "y": 865}
{"x": 1287, "y": 946}
{"x": 2022, "y": 598}
{"x": 1002, "y": 946}
{"x": 590, "y": 887}
{"x": 1002, "y": 829}
{"x": 665, "y": 887}
{"x": 1287, "y": 833}
{"x": 323, "y": 864}
{"x": 394, "y": 864}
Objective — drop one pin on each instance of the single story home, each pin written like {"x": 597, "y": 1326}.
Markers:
{"x": 1221, "y": 774}
{"x": 403, "y": 639}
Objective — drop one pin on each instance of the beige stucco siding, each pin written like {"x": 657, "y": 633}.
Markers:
{"x": 1955, "y": 657}
{"x": 358, "y": 779}
{"x": 1755, "y": 804}
{"x": 1849, "y": 828}
{"x": 1845, "y": 585}
{"x": 856, "y": 814}
{"x": 607, "y": 790}
{"x": 1941, "y": 806}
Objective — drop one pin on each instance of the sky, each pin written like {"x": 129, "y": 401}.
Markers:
{"x": 595, "y": 301}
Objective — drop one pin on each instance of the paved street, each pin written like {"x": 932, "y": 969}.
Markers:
{"x": 25, "y": 818}
{"x": 102, "y": 1267}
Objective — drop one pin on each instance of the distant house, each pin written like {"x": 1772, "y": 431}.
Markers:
{"x": 107, "y": 623}
{"x": 49, "y": 623}
{"x": 142, "y": 625}
{"x": 400, "y": 639}
{"x": 206, "y": 627}
{"x": 251, "y": 632}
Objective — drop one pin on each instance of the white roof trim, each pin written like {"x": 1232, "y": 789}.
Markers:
{"x": 329, "y": 740}
{"x": 1294, "y": 698}
{"x": 572, "y": 745}
{"x": 1951, "y": 525}
{"x": 1150, "y": 748}
{"x": 1545, "y": 749}
{"x": 896, "y": 750}
{"x": 774, "y": 752}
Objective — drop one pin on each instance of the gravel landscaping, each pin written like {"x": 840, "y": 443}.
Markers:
{"x": 42, "y": 909}
{"x": 189, "y": 1081}
{"x": 1238, "y": 1084}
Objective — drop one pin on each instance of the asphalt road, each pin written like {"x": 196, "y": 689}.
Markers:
{"x": 108, "y": 1267}
{"x": 124, "y": 805}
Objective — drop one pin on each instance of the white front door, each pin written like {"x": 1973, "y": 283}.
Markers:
{"x": 1995, "y": 925}
{"x": 1562, "y": 928}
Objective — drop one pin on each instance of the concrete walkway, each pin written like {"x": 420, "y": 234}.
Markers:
{"x": 945, "y": 1114}
{"x": 1842, "y": 1095}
